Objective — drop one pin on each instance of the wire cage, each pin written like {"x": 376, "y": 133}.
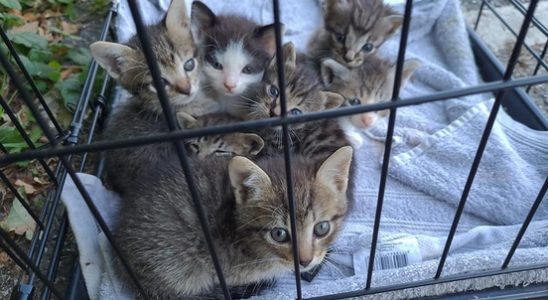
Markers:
{"x": 40, "y": 262}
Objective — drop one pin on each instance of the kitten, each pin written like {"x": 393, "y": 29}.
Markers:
{"x": 141, "y": 115}
{"x": 247, "y": 212}
{"x": 236, "y": 52}
{"x": 353, "y": 30}
{"x": 230, "y": 144}
{"x": 369, "y": 83}
{"x": 176, "y": 55}
{"x": 304, "y": 94}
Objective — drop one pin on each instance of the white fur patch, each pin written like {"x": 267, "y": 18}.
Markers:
{"x": 233, "y": 59}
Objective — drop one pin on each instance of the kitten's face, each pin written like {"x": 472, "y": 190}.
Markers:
{"x": 236, "y": 50}
{"x": 357, "y": 28}
{"x": 176, "y": 55}
{"x": 369, "y": 83}
{"x": 262, "y": 213}
{"x": 303, "y": 92}
{"x": 243, "y": 144}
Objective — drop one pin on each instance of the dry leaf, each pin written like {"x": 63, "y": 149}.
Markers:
{"x": 29, "y": 27}
{"x": 29, "y": 189}
{"x": 69, "y": 71}
{"x": 69, "y": 28}
{"x": 38, "y": 180}
{"x": 29, "y": 16}
{"x": 19, "y": 221}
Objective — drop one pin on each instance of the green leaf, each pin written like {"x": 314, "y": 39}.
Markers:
{"x": 55, "y": 74}
{"x": 19, "y": 220}
{"x": 11, "y": 4}
{"x": 37, "y": 68}
{"x": 10, "y": 20}
{"x": 80, "y": 56}
{"x": 70, "y": 89}
{"x": 35, "y": 134}
{"x": 28, "y": 39}
{"x": 40, "y": 54}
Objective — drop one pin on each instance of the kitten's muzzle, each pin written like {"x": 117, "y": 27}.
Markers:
{"x": 183, "y": 87}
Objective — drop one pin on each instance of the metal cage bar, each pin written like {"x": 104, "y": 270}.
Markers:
{"x": 485, "y": 136}
{"x": 180, "y": 150}
{"x": 389, "y": 136}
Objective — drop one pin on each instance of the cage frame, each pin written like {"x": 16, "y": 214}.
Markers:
{"x": 64, "y": 144}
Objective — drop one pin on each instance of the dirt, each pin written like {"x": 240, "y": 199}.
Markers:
{"x": 503, "y": 41}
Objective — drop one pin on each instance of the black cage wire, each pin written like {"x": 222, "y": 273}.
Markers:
{"x": 39, "y": 263}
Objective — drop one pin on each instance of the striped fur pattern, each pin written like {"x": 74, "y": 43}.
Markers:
{"x": 230, "y": 144}
{"x": 369, "y": 83}
{"x": 247, "y": 211}
{"x": 353, "y": 30}
{"x": 304, "y": 94}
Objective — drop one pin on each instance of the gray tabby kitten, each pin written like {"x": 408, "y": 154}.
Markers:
{"x": 230, "y": 144}
{"x": 353, "y": 30}
{"x": 369, "y": 83}
{"x": 141, "y": 115}
{"x": 304, "y": 94}
{"x": 247, "y": 212}
{"x": 236, "y": 52}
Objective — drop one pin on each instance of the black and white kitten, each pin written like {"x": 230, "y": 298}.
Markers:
{"x": 236, "y": 52}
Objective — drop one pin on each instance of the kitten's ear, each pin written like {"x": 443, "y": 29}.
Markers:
{"x": 251, "y": 143}
{"x": 390, "y": 24}
{"x": 247, "y": 179}
{"x": 331, "y": 69}
{"x": 177, "y": 22}
{"x": 409, "y": 67}
{"x": 332, "y": 100}
{"x": 334, "y": 171}
{"x": 186, "y": 120}
{"x": 201, "y": 19}
{"x": 112, "y": 57}
{"x": 266, "y": 36}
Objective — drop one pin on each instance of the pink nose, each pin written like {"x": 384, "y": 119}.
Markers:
{"x": 229, "y": 87}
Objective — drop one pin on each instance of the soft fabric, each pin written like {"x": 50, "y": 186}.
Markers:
{"x": 433, "y": 147}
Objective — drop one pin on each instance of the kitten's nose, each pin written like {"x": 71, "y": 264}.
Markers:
{"x": 305, "y": 261}
{"x": 350, "y": 55}
{"x": 183, "y": 87}
{"x": 364, "y": 120}
{"x": 229, "y": 86}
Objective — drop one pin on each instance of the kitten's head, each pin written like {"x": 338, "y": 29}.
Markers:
{"x": 303, "y": 91}
{"x": 236, "y": 50}
{"x": 357, "y": 28}
{"x": 262, "y": 213}
{"x": 176, "y": 55}
{"x": 230, "y": 144}
{"x": 369, "y": 83}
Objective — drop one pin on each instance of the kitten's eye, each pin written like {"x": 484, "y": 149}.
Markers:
{"x": 214, "y": 63}
{"x": 296, "y": 112}
{"x": 280, "y": 235}
{"x": 368, "y": 47}
{"x": 247, "y": 70}
{"x": 222, "y": 153}
{"x": 189, "y": 65}
{"x": 354, "y": 101}
{"x": 340, "y": 37}
{"x": 273, "y": 91}
{"x": 322, "y": 229}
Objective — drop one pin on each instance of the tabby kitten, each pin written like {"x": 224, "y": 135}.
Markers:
{"x": 304, "y": 94}
{"x": 353, "y": 30}
{"x": 236, "y": 52}
{"x": 175, "y": 52}
{"x": 369, "y": 83}
{"x": 247, "y": 211}
{"x": 230, "y": 144}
